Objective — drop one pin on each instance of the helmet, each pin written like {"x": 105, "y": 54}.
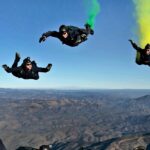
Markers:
{"x": 147, "y": 46}
{"x": 63, "y": 28}
{"x": 26, "y": 60}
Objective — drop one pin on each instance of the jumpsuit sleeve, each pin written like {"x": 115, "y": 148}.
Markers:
{"x": 40, "y": 69}
{"x": 134, "y": 45}
{"x": 52, "y": 33}
{"x": 17, "y": 69}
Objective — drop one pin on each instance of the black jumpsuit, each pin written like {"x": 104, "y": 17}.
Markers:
{"x": 144, "y": 59}
{"x": 20, "y": 71}
{"x": 74, "y": 35}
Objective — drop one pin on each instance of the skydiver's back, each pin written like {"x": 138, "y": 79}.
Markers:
{"x": 76, "y": 31}
{"x": 73, "y": 28}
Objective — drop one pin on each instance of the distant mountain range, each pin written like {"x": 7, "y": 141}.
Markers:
{"x": 73, "y": 119}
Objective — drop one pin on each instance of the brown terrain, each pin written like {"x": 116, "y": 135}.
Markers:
{"x": 69, "y": 120}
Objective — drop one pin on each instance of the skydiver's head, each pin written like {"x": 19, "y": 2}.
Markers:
{"x": 63, "y": 31}
{"x": 27, "y": 64}
{"x": 147, "y": 49}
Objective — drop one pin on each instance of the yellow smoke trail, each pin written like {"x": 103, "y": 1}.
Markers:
{"x": 142, "y": 8}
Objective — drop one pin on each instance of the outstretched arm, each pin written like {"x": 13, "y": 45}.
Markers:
{"x": 10, "y": 70}
{"x": 135, "y": 46}
{"x": 40, "y": 69}
{"x": 47, "y": 34}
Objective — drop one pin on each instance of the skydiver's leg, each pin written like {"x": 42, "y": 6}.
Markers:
{"x": 84, "y": 31}
{"x": 17, "y": 59}
{"x": 87, "y": 30}
{"x": 83, "y": 34}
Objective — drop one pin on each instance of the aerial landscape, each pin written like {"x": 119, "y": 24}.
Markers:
{"x": 93, "y": 119}
{"x": 75, "y": 75}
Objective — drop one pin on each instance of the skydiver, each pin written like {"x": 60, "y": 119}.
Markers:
{"x": 69, "y": 35}
{"x": 28, "y": 69}
{"x": 143, "y": 55}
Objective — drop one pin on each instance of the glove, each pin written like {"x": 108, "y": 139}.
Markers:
{"x": 130, "y": 41}
{"x": 49, "y": 66}
{"x": 42, "y": 39}
{"x": 6, "y": 68}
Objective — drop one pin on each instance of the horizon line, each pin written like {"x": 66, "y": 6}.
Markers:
{"x": 74, "y": 89}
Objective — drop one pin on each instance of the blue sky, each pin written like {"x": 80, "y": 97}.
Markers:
{"x": 106, "y": 60}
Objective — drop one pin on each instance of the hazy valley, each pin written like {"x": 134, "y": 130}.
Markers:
{"x": 71, "y": 119}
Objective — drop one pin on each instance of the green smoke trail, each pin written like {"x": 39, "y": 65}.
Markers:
{"x": 93, "y": 10}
